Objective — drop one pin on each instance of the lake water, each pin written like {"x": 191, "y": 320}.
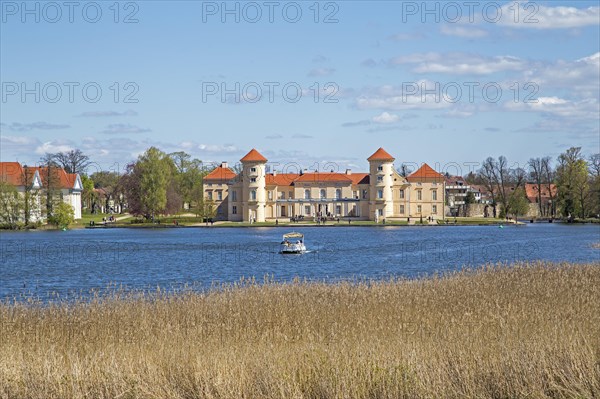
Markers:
{"x": 44, "y": 264}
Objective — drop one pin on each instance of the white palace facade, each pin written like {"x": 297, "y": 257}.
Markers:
{"x": 254, "y": 195}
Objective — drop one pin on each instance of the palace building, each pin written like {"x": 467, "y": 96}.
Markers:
{"x": 254, "y": 195}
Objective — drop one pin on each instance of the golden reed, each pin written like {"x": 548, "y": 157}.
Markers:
{"x": 524, "y": 331}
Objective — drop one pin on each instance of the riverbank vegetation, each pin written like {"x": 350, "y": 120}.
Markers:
{"x": 525, "y": 331}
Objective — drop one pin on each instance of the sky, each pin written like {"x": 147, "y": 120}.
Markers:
{"x": 316, "y": 85}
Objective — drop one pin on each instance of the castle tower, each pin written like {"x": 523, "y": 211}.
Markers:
{"x": 381, "y": 173}
{"x": 254, "y": 186}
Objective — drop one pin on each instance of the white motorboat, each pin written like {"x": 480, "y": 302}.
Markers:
{"x": 293, "y": 243}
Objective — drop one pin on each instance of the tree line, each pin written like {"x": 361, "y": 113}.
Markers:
{"x": 158, "y": 183}
{"x": 572, "y": 185}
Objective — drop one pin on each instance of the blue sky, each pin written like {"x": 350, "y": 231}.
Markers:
{"x": 420, "y": 79}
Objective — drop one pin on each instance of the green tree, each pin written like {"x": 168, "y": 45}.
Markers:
{"x": 88, "y": 197}
{"x": 50, "y": 175}
{"x": 572, "y": 183}
{"x": 109, "y": 182}
{"x": 62, "y": 215}
{"x": 12, "y": 206}
{"x": 189, "y": 175}
{"x": 154, "y": 169}
{"x": 594, "y": 169}
{"x": 518, "y": 203}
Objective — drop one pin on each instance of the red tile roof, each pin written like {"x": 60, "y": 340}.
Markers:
{"x": 425, "y": 172}
{"x": 64, "y": 179}
{"x": 220, "y": 173}
{"x": 281, "y": 179}
{"x": 324, "y": 177}
{"x": 11, "y": 173}
{"x": 531, "y": 191}
{"x": 360, "y": 178}
{"x": 381, "y": 155}
{"x": 253, "y": 156}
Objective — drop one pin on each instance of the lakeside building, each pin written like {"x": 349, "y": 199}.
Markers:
{"x": 37, "y": 180}
{"x": 254, "y": 195}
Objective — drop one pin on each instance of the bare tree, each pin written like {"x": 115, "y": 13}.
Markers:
{"x": 501, "y": 181}
{"x": 74, "y": 161}
{"x": 549, "y": 175}
{"x": 537, "y": 176}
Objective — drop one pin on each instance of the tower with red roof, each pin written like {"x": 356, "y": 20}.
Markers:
{"x": 254, "y": 193}
{"x": 381, "y": 171}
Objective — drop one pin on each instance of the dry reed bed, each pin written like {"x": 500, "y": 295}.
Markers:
{"x": 526, "y": 331}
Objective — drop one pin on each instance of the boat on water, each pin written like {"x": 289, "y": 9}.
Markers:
{"x": 293, "y": 243}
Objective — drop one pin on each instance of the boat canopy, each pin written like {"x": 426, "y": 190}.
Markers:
{"x": 293, "y": 235}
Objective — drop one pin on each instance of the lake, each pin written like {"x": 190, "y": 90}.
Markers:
{"x": 51, "y": 264}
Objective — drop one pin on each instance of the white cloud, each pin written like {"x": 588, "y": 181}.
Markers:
{"x": 459, "y": 63}
{"x": 217, "y": 148}
{"x": 587, "y": 109}
{"x": 385, "y": 118}
{"x": 122, "y": 128}
{"x": 53, "y": 146}
{"x": 468, "y": 32}
{"x": 102, "y": 114}
{"x": 533, "y": 16}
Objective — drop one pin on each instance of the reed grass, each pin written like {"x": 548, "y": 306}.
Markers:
{"x": 524, "y": 331}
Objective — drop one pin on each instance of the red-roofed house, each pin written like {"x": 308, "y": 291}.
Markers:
{"x": 547, "y": 196}
{"x": 256, "y": 195}
{"x": 35, "y": 180}
{"x": 216, "y": 189}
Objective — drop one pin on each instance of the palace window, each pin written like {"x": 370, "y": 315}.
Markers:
{"x": 434, "y": 209}
{"x": 380, "y": 168}
{"x": 306, "y": 194}
{"x": 253, "y": 170}
{"x": 307, "y": 210}
{"x": 323, "y": 194}
{"x": 253, "y": 195}
{"x": 210, "y": 195}
{"x": 270, "y": 195}
{"x": 434, "y": 195}
{"x": 379, "y": 179}
{"x": 220, "y": 195}
{"x": 401, "y": 194}
{"x": 338, "y": 209}
{"x": 365, "y": 194}
{"x": 234, "y": 210}
{"x": 380, "y": 212}
{"x": 290, "y": 195}
{"x": 253, "y": 179}
{"x": 282, "y": 195}
{"x": 402, "y": 209}
{"x": 234, "y": 195}
{"x": 419, "y": 195}
{"x": 419, "y": 209}
{"x": 380, "y": 194}
{"x": 338, "y": 194}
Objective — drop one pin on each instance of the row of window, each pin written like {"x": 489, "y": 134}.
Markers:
{"x": 338, "y": 210}
{"x": 323, "y": 195}
{"x": 219, "y": 195}
{"x": 420, "y": 209}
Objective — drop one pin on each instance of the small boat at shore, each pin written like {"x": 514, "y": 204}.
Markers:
{"x": 293, "y": 243}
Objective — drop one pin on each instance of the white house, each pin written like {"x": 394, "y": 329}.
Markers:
{"x": 39, "y": 179}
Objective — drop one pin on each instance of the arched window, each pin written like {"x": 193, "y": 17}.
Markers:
{"x": 323, "y": 194}
{"x": 307, "y": 194}
{"x": 338, "y": 194}
{"x": 253, "y": 195}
